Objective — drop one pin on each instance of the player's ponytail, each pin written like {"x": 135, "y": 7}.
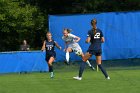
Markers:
{"x": 94, "y": 22}
{"x": 94, "y": 30}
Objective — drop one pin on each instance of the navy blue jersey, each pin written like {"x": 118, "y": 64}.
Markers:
{"x": 50, "y": 51}
{"x": 95, "y": 39}
{"x": 50, "y": 46}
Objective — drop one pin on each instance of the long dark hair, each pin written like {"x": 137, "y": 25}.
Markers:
{"x": 92, "y": 23}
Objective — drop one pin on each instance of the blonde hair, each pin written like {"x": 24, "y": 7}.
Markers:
{"x": 68, "y": 30}
{"x": 49, "y": 33}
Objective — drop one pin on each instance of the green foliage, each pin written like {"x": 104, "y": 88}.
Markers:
{"x": 18, "y": 21}
{"x": 85, "y": 6}
{"x": 28, "y": 19}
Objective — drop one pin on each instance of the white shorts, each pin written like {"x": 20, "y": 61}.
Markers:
{"x": 76, "y": 48}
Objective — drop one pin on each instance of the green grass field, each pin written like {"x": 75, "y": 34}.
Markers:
{"x": 122, "y": 81}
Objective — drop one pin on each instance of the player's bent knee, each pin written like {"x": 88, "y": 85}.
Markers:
{"x": 50, "y": 63}
{"x": 84, "y": 59}
{"x": 68, "y": 50}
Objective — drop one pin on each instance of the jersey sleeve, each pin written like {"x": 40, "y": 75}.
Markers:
{"x": 88, "y": 34}
{"x": 72, "y": 36}
{"x": 101, "y": 33}
{"x": 55, "y": 43}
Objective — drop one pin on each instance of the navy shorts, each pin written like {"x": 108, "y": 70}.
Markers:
{"x": 95, "y": 52}
{"x": 49, "y": 55}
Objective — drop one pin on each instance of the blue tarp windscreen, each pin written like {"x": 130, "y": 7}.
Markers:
{"x": 121, "y": 31}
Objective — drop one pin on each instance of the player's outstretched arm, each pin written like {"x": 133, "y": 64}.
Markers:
{"x": 88, "y": 40}
{"x": 43, "y": 46}
{"x": 59, "y": 47}
{"x": 102, "y": 39}
{"x": 77, "y": 39}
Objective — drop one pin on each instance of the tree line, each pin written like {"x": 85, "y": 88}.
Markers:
{"x": 28, "y": 19}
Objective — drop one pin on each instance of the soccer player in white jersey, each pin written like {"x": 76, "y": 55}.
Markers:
{"x": 71, "y": 45}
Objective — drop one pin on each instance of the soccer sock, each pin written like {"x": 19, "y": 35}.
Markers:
{"x": 103, "y": 70}
{"x": 50, "y": 68}
{"x": 88, "y": 63}
{"x": 52, "y": 73}
{"x": 81, "y": 70}
{"x": 67, "y": 56}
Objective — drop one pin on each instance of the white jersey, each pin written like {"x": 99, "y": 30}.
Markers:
{"x": 69, "y": 39}
{"x": 72, "y": 44}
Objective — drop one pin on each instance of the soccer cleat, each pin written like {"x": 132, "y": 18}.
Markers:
{"x": 108, "y": 78}
{"x": 92, "y": 68}
{"x": 52, "y": 75}
{"x": 66, "y": 62}
{"x": 78, "y": 78}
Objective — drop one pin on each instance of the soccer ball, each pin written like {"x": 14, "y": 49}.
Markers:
{"x": 78, "y": 53}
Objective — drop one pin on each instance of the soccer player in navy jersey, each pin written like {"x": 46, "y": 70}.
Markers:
{"x": 95, "y": 38}
{"x": 49, "y": 45}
